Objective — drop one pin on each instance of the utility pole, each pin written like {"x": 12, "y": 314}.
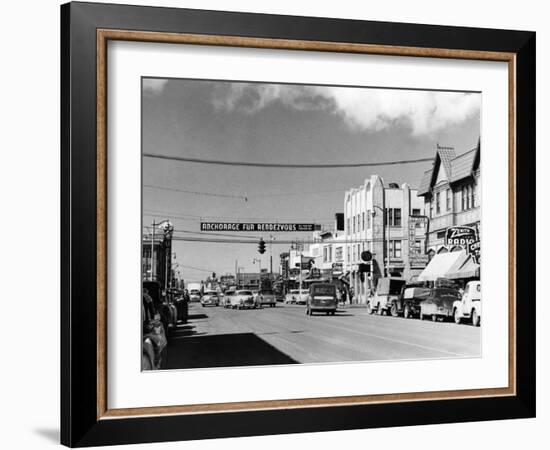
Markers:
{"x": 271, "y": 237}
{"x": 301, "y": 256}
{"x": 153, "y": 252}
{"x": 388, "y": 260}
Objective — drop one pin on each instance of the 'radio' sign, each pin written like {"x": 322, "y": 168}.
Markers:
{"x": 463, "y": 236}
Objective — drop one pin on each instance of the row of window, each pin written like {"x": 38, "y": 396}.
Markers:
{"x": 395, "y": 249}
{"x": 467, "y": 197}
{"x": 361, "y": 222}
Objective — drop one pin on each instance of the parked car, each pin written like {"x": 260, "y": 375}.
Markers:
{"x": 265, "y": 297}
{"x": 290, "y": 296}
{"x": 210, "y": 298}
{"x": 296, "y": 296}
{"x": 242, "y": 299}
{"x": 226, "y": 301}
{"x": 408, "y": 302}
{"x": 321, "y": 298}
{"x": 439, "y": 303}
{"x": 154, "y": 340}
{"x": 388, "y": 289}
{"x": 163, "y": 304}
{"x": 469, "y": 306}
{"x": 194, "y": 295}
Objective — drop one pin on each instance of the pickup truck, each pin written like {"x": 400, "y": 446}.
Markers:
{"x": 469, "y": 307}
{"x": 388, "y": 289}
{"x": 407, "y": 304}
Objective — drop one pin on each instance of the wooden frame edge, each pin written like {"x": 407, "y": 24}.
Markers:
{"x": 103, "y": 36}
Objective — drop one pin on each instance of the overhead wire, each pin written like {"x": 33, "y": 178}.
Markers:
{"x": 283, "y": 165}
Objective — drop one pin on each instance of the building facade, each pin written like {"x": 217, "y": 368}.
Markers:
{"x": 377, "y": 218}
{"x": 451, "y": 194}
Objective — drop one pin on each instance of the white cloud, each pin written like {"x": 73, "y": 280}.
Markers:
{"x": 424, "y": 112}
{"x": 154, "y": 85}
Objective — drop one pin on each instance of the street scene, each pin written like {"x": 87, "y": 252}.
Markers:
{"x": 302, "y": 224}
{"x": 221, "y": 337}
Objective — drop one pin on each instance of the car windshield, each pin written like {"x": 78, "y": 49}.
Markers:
{"x": 244, "y": 293}
{"x": 210, "y": 293}
{"x": 294, "y": 292}
{"x": 324, "y": 289}
{"x": 229, "y": 293}
{"x": 266, "y": 292}
{"x": 304, "y": 291}
{"x": 194, "y": 291}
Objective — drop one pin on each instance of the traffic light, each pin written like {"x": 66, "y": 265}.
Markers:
{"x": 261, "y": 247}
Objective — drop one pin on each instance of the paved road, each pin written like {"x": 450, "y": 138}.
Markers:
{"x": 218, "y": 337}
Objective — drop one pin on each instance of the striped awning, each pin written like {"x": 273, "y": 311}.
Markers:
{"x": 441, "y": 264}
{"x": 465, "y": 269}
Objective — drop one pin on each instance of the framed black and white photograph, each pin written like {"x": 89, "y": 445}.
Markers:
{"x": 277, "y": 224}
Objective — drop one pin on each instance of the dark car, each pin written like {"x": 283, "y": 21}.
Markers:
{"x": 409, "y": 300}
{"x": 153, "y": 336}
{"x": 163, "y": 304}
{"x": 321, "y": 298}
{"x": 439, "y": 303}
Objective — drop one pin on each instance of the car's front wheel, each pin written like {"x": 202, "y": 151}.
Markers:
{"x": 456, "y": 316}
{"x": 475, "y": 318}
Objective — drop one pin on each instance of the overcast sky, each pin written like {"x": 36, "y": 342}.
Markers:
{"x": 274, "y": 123}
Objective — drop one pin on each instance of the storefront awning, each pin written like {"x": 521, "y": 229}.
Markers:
{"x": 441, "y": 264}
{"x": 464, "y": 269}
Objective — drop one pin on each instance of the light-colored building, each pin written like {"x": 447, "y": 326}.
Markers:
{"x": 450, "y": 191}
{"x": 377, "y": 219}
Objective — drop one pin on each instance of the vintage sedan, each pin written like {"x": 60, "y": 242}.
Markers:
{"x": 210, "y": 298}
{"x": 265, "y": 297}
{"x": 297, "y": 296}
{"x": 242, "y": 300}
{"x": 226, "y": 300}
{"x": 439, "y": 303}
{"x": 321, "y": 298}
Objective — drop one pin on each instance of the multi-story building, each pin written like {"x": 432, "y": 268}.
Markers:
{"x": 451, "y": 194}
{"x": 377, "y": 219}
{"x": 156, "y": 255}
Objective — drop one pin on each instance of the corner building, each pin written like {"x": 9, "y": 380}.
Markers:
{"x": 451, "y": 194}
{"x": 377, "y": 219}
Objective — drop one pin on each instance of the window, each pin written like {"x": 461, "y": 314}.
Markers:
{"x": 418, "y": 246}
{"x": 416, "y": 212}
{"x": 464, "y": 196}
{"x": 363, "y": 222}
{"x": 448, "y": 200}
{"x": 348, "y": 226}
{"x": 348, "y": 254}
{"x": 471, "y": 189}
{"x": 395, "y": 249}
{"x": 437, "y": 203}
{"x": 330, "y": 253}
{"x": 431, "y": 207}
{"x": 395, "y": 217}
{"x": 368, "y": 218}
{"x": 473, "y": 197}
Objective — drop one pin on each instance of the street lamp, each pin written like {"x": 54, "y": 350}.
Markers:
{"x": 259, "y": 261}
